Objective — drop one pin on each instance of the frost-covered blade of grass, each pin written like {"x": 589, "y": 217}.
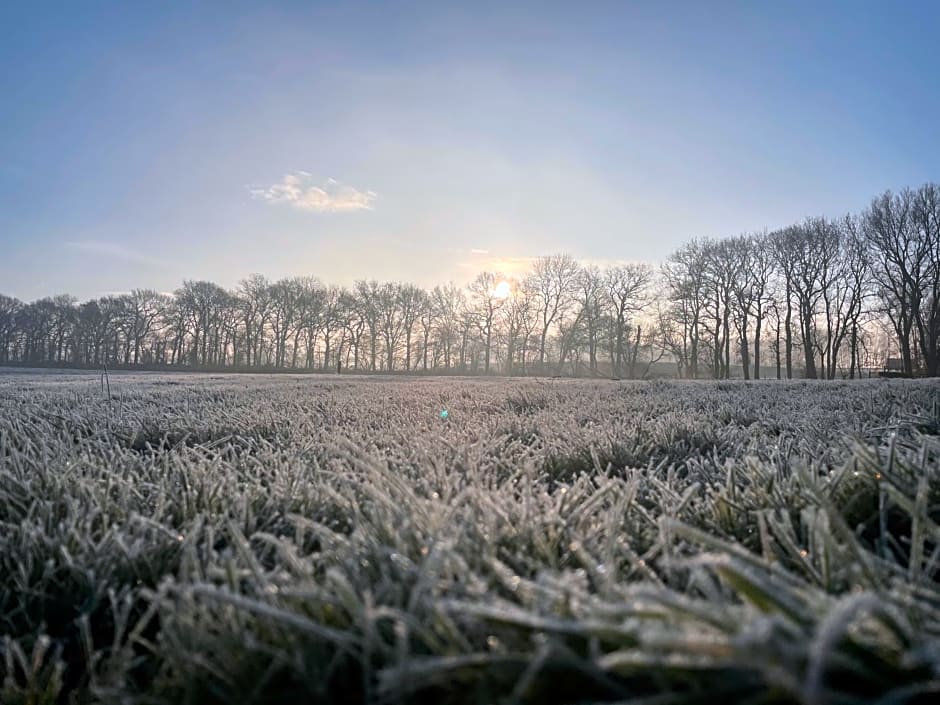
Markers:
{"x": 241, "y": 539}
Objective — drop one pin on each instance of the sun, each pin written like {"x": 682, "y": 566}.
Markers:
{"x": 502, "y": 290}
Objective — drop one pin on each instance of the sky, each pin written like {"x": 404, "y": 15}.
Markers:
{"x": 142, "y": 144}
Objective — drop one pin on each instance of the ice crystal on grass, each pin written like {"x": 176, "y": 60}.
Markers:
{"x": 252, "y": 539}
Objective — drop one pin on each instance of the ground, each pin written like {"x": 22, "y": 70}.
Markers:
{"x": 245, "y": 539}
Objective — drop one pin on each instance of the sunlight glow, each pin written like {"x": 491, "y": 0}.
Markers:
{"x": 502, "y": 290}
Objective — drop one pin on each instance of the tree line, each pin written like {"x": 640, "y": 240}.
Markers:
{"x": 824, "y": 298}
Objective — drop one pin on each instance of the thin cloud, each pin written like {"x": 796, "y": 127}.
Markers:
{"x": 463, "y": 251}
{"x": 509, "y": 266}
{"x": 300, "y": 191}
{"x": 113, "y": 250}
{"x": 516, "y": 266}
{"x": 605, "y": 263}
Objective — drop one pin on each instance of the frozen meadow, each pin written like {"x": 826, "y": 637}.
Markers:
{"x": 192, "y": 538}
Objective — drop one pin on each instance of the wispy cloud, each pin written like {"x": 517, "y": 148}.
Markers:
{"x": 299, "y": 190}
{"x": 463, "y": 251}
{"x": 114, "y": 250}
{"x": 510, "y": 266}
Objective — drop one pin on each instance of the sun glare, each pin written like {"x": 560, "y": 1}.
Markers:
{"x": 502, "y": 290}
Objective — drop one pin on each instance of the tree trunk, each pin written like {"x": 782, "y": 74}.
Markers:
{"x": 788, "y": 332}
{"x": 757, "y": 330}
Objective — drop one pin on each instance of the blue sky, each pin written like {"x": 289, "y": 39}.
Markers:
{"x": 145, "y": 143}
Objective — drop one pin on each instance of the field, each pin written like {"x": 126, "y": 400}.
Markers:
{"x": 245, "y": 539}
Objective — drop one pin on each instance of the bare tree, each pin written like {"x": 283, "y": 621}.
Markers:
{"x": 140, "y": 311}
{"x": 483, "y": 304}
{"x": 721, "y": 272}
{"x": 785, "y": 246}
{"x": 331, "y": 323}
{"x": 593, "y": 300}
{"x": 355, "y": 323}
{"x": 554, "y": 285}
{"x": 391, "y": 320}
{"x": 753, "y": 270}
{"x": 517, "y": 320}
{"x": 254, "y": 297}
{"x": 9, "y": 309}
{"x": 900, "y": 262}
{"x": 926, "y": 224}
{"x": 448, "y": 304}
{"x": 411, "y": 299}
{"x": 685, "y": 274}
{"x": 627, "y": 287}
{"x": 427, "y": 318}
{"x": 368, "y": 296}
{"x": 285, "y": 303}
